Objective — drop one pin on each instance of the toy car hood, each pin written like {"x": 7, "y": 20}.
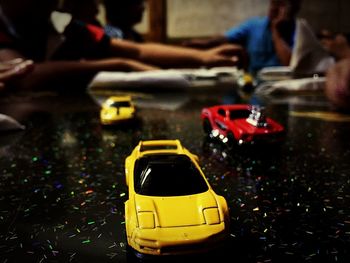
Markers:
{"x": 177, "y": 211}
{"x": 272, "y": 126}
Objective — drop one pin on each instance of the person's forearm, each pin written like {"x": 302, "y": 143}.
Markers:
{"x": 67, "y": 71}
{"x": 47, "y": 73}
{"x": 171, "y": 56}
{"x": 283, "y": 51}
{"x": 158, "y": 54}
{"x": 204, "y": 43}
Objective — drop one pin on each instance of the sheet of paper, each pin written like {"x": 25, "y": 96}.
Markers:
{"x": 308, "y": 55}
{"x": 163, "y": 79}
{"x": 292, "y": 86}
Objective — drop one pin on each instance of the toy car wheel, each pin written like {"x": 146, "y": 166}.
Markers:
{"x": 207, "y": 126}
{"x": 231, "y": 140}
{"x": 132, "y": 255}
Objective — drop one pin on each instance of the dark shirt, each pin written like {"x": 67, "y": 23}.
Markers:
{"x": 83, "y": 40}
{"x": 30, "y": 45}
{"x": 80, "y": 40}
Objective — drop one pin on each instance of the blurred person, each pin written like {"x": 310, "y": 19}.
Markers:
{"x": 85, "y": 49}
{"x": 268, "y": 40}
{"x": 83, "y": 10}
{"x": 122, "y": 16}
{"x": 338, "y": 84}
{"x": 325, "y": 36}
{"x": 337, "y": 44}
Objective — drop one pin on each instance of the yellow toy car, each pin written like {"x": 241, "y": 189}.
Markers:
{"x": 117, "y": 109}
{"x": 171, "y": 208}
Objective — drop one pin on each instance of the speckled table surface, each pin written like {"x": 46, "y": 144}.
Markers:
{"x": 62, "y": 189}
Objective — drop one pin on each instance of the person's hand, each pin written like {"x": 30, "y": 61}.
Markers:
{"x": 337, "y": 46}
{"x": 282, "y": 15}
{"x": 338, "y": 84}
{"x": 224, "y": 55}
{"x": 11, "y": 69}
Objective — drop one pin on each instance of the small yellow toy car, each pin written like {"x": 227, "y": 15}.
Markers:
{"x": 171, "y": 209}
{"x": 117, "y": 109}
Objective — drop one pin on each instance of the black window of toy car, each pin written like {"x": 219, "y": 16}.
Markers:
{"x": 222, "y": 112}
{"x": 167, "y": 175}
{"x": 239, "y": 114}
{"x": 118, "y": 104}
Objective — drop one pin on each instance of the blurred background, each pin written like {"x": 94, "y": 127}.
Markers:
{"x": 176, "y": 20}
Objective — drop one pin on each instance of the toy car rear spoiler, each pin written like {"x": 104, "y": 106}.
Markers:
{"x": 160, "y": 145}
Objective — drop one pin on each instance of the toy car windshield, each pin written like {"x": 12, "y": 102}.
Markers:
{"x": 239, "y": 114}
{"x": 118, "y": 104}
{"x": 167, "y": 175}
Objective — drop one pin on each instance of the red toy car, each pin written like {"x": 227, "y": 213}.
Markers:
{"x": 240, "y": 124}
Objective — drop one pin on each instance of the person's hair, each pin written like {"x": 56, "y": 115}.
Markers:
{"x": 75, "y": 6}
{"x": 295, "y": 6}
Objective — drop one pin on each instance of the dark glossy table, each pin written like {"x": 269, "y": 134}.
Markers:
{"x": 62, "y": 189}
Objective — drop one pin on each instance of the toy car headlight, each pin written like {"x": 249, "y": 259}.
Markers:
{"x": 146, "y": 220}
{"x": 211, "y": 216}
{"x": 106, "y": 113}
{"x": 215, "y": 132}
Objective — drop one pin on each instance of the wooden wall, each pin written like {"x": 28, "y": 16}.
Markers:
{"x": 172, "y": 19}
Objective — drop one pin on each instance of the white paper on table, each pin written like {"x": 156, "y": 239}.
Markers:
{"x": 153, "y": 79}
{"x": 164, "y": 79}
{"x": 275, "y": 73}
{"x": 163, "y": 100}
{"x": 292, "y": 86}
{"x": 308, "y": 55}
